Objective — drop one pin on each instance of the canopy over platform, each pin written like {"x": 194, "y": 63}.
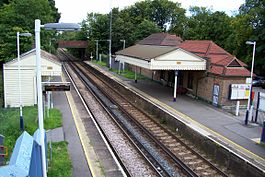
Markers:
{"x": 161, "y": 58}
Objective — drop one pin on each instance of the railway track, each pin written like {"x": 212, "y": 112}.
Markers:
{"x": 181, "y": 155}
{"x": 108, "y": 129}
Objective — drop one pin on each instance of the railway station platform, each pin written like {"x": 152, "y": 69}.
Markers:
{"x": 221, "y": 126}
{"x": 69, "y": 133}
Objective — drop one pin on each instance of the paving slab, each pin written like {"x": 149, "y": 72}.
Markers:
{"x": 55, "y": 135}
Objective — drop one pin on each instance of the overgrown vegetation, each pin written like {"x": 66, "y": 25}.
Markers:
{"x": 126, "y": 73}
{"x": 10, "y": 128}
{"x": 129, "y": 74}
{"x": 101, "y": 63}
{"x": 60, "y": 164}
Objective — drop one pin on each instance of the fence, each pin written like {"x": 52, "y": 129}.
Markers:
{"x": 26, "y": 157}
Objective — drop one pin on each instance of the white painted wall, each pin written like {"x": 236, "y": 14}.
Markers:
{"x": 28, "y": 76}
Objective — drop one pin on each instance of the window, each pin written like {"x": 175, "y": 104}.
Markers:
{"x": 190, "y": 80}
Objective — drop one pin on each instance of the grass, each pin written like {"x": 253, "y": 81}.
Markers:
{"x": 101, "y": 63}
{"x": 9, "y": 123}
{"x": 54, "y": 120}
{"x": 126, "y": 73}
{"x": 129, "y": 74}
{"x": 60, "y": 164}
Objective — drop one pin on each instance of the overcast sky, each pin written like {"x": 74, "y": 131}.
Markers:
{"x": 76, "y": 10}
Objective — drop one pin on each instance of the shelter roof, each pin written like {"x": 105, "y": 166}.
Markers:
{"x": 145, "y": 52}
{"x": 221, "y": 62}
{"x": 44, "y": 54}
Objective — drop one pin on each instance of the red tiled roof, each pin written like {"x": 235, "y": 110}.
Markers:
{"x": 216, "y": 69}
{"x": 161, "y": 39}
{"x": 238, "y": 71}
{"x": 219, "y": 58}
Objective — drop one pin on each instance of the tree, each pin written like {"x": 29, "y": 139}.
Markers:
{"x": 254, "y": 10}
{"x": 207, "y": 25}
{"x": 164, "y": 13}
{"x": 19, "y": 15}
{"x": 241, "y": 32}
{"x": 145, "y": 29}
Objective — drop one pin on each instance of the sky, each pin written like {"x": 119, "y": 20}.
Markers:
{"x": 74, "y": 11}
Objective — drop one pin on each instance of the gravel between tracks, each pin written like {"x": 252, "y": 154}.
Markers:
{"x": 129, "y": 155}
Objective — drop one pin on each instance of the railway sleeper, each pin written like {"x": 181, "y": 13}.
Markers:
{"x": 155, "y": 129}
{"x": 184, "y": 153}
{"x": 202, "y": 168}
{"x": 179, "y": 149}
{"x": 190, "y": 157}
{"x": 160, "y": 133}
{"x": 210, "y": 174}
{"x": 170, "y": 145}
{"x": 165, "y": 138}
{"x": 195, "y": 162}
{"x": 149, "y": 124}
{"x": 146, "y": 121}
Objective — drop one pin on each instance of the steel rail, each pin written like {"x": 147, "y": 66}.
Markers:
{"x": 154, "y": 166}
{"x": 189, "y": 171}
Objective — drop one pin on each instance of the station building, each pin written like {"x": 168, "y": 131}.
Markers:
{"x": 204, "y": 69}
{"x": 50, "y": 66}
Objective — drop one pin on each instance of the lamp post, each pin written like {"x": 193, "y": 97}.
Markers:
{"x": 123, "y": 40}
{"x": 49, "y": 26}
{"x": 21, "y": 121}
{"x": 251, "y": 75}
{"x": 110, "y": 26}
{"x": 96, "y": 50}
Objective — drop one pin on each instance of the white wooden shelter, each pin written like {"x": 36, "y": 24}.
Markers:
{"x": 160, "y": 58}
{"x": 50, "y": 66}
{"x": 156, "y": 57}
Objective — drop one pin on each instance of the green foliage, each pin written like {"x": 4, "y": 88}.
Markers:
{"x": 144, "y": 29}
{"x": 206, "y": 25}
{"x": 132, "y": 24}
{"x": 9, "y": 121}
{"x": 54, "y": 119}
{"x": 101, "y": 63}
{"x": 19, "y": 15}
{"x": 254, "y": 11}
{"x": 60, "y": 165}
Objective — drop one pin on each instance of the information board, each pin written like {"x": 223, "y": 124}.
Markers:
{"x": 239, "y": 91}
{"x": 216, "y": 89}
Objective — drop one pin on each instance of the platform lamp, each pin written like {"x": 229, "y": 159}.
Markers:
{"x": 251, "y": 75}
{"x": 48, "y": 26}
{"x": 110, "y": 28}
{"x": 21, "y": 121}
{"x": 123, "y": 40}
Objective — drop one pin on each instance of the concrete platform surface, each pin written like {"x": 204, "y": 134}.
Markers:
{"x": 55, "y": 135}
{"x": 216, "y": 123}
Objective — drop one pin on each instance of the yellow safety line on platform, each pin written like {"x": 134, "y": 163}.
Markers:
{"x": 184, "y": 117}
{"x": 214, "y": 132}
{"x": 91, "y": 156}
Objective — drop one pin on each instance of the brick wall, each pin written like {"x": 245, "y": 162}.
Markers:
{"x": 205, "y": 88}
{"x": 202, "y": 84}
